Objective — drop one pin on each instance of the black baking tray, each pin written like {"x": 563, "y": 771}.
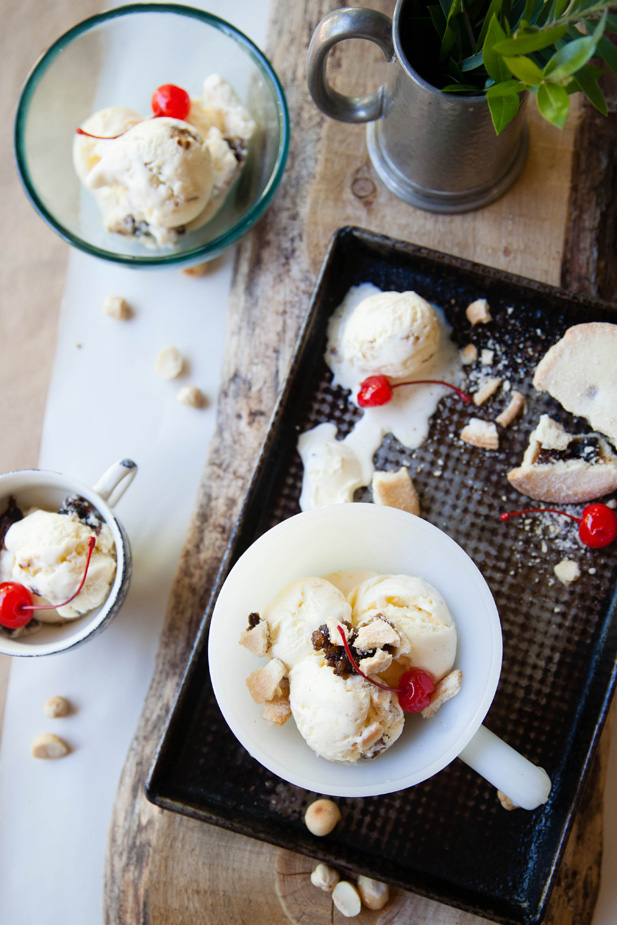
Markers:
{"x": 448, "y": 838}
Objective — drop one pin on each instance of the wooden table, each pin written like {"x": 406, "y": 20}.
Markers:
{"x": 554, "y": 225}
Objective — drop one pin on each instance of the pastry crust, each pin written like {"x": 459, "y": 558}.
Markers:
{"x": 580, "y": 371}
{"x": 566, "y": 479}
{"x": 396, "y": 489}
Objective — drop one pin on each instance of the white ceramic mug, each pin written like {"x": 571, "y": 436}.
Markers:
{"x": 48, "y": 490}
{"x": 388, "y": 541}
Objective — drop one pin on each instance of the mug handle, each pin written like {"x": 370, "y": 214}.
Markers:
{"x": 352, "y": 23}
{"x": 497, "y": 762}
{"x": 115, "y": 481}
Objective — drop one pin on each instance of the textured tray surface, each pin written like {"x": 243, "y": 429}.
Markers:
{"x": 447, "y": 838}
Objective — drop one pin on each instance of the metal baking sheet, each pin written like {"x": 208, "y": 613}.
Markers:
{"x": 449, "y": 838}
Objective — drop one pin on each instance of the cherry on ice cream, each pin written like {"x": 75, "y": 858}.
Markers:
{"x": 416, "y": 685}
{"x": 171, "y": 101}
{"x": 597, "y": 523}
{"x": 378, "y": 390}
{"x": 16, "y": 600}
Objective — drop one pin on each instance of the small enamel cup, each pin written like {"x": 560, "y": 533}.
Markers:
{"x": 47, "y": 490}
{"x": 388, "y": 541}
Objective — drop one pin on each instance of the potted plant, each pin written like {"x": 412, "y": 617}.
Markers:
{"x": 447, "y": 132}
{"x": 505, "y": 48}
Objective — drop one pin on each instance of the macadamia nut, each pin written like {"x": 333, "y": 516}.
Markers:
{"x": 373, "y": 894}
{"x": 48, "y": 745}
{"x": 321, "y": 817}
{"x": 346, "y": 899}
{"x": 56, "y": 706}
{"x": 325, "y": 878}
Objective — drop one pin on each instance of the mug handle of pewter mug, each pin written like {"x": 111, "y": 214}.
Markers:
{"x": 527, "y": 785}
{"x": 352, "y": 23}
{"x": 115, "y": 481}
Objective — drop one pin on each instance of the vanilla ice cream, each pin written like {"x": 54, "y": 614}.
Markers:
{"x": 392, "y": 333}
{"x": 47, "y": 553}
{"x": 301, "y": 608}
{"x": 342, "y": 718}
{"x": 419, "y": 614}
{"x": 332, "y": 469}
{"x": 156, "y": 178}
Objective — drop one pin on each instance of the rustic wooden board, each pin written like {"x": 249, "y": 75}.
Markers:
{"x": 164, "y": 868}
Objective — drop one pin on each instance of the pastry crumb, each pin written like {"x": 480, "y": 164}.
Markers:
{"x": 487, "y": 356}
{"x": 191, "y": 396}
{"x": 567, "y": 571}
{"x": 482, "y": 434}
{"x": 478, "y": 312}
{"x": 469, "y": 354}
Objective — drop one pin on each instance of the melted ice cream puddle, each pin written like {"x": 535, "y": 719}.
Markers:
{"x": 334, "y": 469}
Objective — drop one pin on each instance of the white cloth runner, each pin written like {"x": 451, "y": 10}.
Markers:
{"x": 106, "y": 402}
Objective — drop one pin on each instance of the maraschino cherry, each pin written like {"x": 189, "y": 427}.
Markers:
{"x": 16, "y": 600}
{"x": 378, "y": 390}
{"x": 171, "y": 101}
{"x": 416, "y": 685}
{"x": 597, "y": 523}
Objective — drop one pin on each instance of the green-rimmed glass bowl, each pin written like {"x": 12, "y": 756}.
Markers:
{"x": 118, "y": 58}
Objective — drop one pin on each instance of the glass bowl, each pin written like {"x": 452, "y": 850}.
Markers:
{"x": 119, "y": 58}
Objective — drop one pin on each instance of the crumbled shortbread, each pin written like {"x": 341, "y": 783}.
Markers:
{"x": 506, "y": 802}
{"x": 482, "y": 434}
{"x": 396, "y": 489}
{"x": 486, "y": 390}
{"x": 478, "y": 312}
{"x": 469, "y": 354}
{"x": 445, "y": 690}
{"x": 515, "y": 406}
{"x": 487, "y": 356}
{"x": 567, "y": 571}
{"x": 263, "y": 683}
{"x": 256, "y": 638}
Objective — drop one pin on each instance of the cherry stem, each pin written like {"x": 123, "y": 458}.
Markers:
{"x": 462, "y": 395}
{"x": 91, "y": 545}
{"x": 384, "y": 687}
{"x": 539, "y": 510}
{"x": 80, "y": 131}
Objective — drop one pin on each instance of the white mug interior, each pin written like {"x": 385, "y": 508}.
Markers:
{"x": 385, "y": 540}
{"x": 48, "y": 490}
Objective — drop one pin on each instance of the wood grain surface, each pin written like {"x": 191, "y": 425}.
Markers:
{"x": 166, "y": 869}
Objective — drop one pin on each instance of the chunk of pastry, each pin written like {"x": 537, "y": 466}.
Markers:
{"x": 478, "y": 312}
{"x": 580, "y": 371}
{"x": 445, "y": 690}
{"x": 563, "y": 467}
{"x": 482, "y": 434}
{"x": 514, "y": 407}
{"x": 396, "y": 489}
{"x": 487, "y": 388}
{"x": 263, "y": 683}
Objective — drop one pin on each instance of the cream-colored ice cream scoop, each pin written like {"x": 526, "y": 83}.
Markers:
{"x": 47, "y": 553}
{"x": 392, "y": 333}
{"x": 342, "y": 718}
{"x": 301, "y": 608}
{"x": 419, "y": 614}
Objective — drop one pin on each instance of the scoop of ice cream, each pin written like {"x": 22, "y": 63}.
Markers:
{"x": 392, "y": 333}
{"x": 342, "y": 719}
{"x": 47, "y": 553}
{"x": 300, "y": 608}
{"x": 160, "y": 174}
{"x": 106, "y": 124}
{"x": 332, "y": 471}
{"x": 419, "y": 614}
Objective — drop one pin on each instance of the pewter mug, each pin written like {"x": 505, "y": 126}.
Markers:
{"x": 438, "y": 151}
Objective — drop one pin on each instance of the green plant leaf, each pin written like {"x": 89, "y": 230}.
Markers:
{"x": 608, "y": 53}
{"x": 553, "y": 103}
{"x": 493, "y": 62}
{"x": 459, "y": 88}
{"x": 471, "y": 63}
{"x": 493, "y": 10}
{"x": 568, "y": 59}
{"x": 505, "y": 88}
{"x": 525, "y": 69}
{"x": 503, "y": 109}
{"x": 546, "y": 13}
{"x": 585, "y": 81}
{"x": 611, "y": 23}
{"x": 525, "y": 42}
